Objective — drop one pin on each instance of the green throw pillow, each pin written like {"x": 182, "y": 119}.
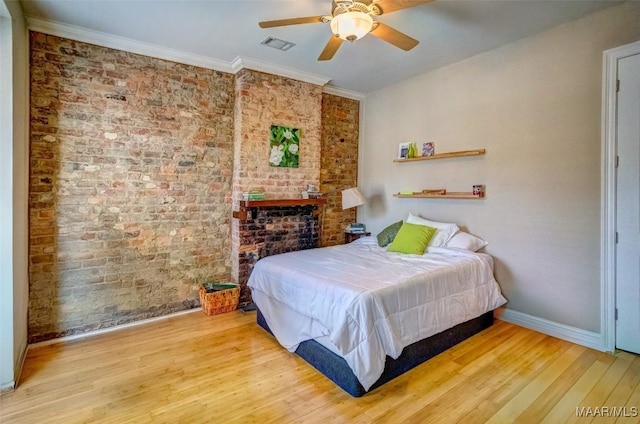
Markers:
{"x": 387, "y": 235}
{"x": 412, "y": 238}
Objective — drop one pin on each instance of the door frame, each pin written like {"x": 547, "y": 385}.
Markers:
{"x": 608, "y": 194}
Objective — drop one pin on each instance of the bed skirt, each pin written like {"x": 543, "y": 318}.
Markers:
{"x": 336, "y": 369}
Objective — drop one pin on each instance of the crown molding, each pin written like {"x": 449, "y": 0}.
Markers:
{"x": 103, "y": 39}
{"x": 341, "y": 92}
{"x": 125, "y": 44}
{"x": 240, "y": 63}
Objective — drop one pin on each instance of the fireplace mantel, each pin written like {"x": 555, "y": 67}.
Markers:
{"x": 247, "y": 205}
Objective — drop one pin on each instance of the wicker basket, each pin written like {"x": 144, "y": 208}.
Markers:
{"x": 219, "y": 302}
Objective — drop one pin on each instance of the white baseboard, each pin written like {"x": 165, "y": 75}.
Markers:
{"x": 551, "y": 328}
{"x": 7, "y": 387}
{"x": 111, "y": 329}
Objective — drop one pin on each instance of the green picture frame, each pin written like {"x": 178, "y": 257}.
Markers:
{"x": 284, "y": 147}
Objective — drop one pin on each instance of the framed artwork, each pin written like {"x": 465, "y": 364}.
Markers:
{"x": 403, "y": 150}
{"x": 284, "y": 146}
{"x": 428, "y": 149}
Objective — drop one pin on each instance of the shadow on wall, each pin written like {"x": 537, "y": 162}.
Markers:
{"x": 503, "y": 275}
{"x": 376, "y": 203}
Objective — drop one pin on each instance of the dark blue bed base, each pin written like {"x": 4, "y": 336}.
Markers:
{"x": 337, "y": 370}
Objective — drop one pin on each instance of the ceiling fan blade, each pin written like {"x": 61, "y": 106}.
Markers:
{"x": 395, "y": 37}
{"x": 291, "y": 21}
{"x": 388, "y": 6}
{"x": 331, "y": 48}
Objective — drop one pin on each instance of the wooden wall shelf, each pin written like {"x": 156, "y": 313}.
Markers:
{"x": 449, "y": 195}
{"x": 247, "y": 205}
{"x": 461, "y": 153}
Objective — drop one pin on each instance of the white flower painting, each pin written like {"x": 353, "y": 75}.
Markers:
{"x": 284, "y": 143}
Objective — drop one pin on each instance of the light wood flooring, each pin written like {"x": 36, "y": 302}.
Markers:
{"x": 225, "y": 369}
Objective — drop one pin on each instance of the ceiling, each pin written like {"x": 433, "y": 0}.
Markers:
{"x": 225, "y": 30}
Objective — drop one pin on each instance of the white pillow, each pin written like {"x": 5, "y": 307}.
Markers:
{"x": 444, "y": 230}
{"x": 462, "y": 240}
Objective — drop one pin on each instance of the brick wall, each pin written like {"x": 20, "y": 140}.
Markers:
{"x": 263, "y": 100}
{"x": 339, "y": 164}
{"x": 130, "y": 185}
{"x": 136, "y": 164}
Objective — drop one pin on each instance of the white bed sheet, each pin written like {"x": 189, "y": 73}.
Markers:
{"x": 368, "y": 302}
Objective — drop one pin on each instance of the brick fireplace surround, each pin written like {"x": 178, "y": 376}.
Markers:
{"x": 271, "y": 230}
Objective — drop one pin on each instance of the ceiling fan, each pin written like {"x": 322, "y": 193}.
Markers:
{"x": 351, "y": 20}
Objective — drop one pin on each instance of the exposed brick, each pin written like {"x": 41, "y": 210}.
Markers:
{"x": 263, "y": 100}
{"x": 339, "y": 169}
{"x": 101, "y": 120}
{"x": 136, "y": 164}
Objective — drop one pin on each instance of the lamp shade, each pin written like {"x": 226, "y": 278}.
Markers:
{"x": 351, "y": 198}
{"x": 351, "y": 26}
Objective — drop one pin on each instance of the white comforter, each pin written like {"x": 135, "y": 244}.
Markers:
{"x": 371, "y": 303}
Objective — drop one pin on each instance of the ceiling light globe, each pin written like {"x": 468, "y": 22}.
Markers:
{"x": 351, "y": 26}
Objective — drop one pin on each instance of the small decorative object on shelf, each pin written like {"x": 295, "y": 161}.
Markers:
{"x": 478, "y": 190}
{"x": 428, "y": 149}
{"x": 311, "y": 192}
{"x": 254, "y": 195}
{"x": 413, "y": 150}
{"x": 403, "y": 151}
{"x": 434, "y": 191}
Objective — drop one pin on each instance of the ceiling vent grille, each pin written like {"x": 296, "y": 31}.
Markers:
{"x": 277, "y": 43}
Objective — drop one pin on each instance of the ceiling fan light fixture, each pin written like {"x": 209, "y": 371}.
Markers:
{"x": 351, "y": 26}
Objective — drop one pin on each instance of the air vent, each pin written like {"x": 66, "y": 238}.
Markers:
{"x": 277, "y": 43}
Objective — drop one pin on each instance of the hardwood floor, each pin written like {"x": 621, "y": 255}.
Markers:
{"x": 223, "y": 369}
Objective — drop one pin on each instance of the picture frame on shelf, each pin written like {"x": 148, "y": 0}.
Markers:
{"x": 478, "y": 190}
{"x": 428, "y": 148}
{"x": 403, "y": 150}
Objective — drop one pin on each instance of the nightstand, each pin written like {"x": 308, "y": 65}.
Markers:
{"x": 349, "y": 237}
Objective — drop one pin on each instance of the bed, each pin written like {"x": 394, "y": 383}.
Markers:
{"x": 362, "y": 315}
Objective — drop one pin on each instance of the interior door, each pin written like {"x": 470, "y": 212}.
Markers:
{"x": 628, "y": 206}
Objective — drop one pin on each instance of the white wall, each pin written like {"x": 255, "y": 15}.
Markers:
{"x": 535, "y": 106}
{"x": 14, "y": 113}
